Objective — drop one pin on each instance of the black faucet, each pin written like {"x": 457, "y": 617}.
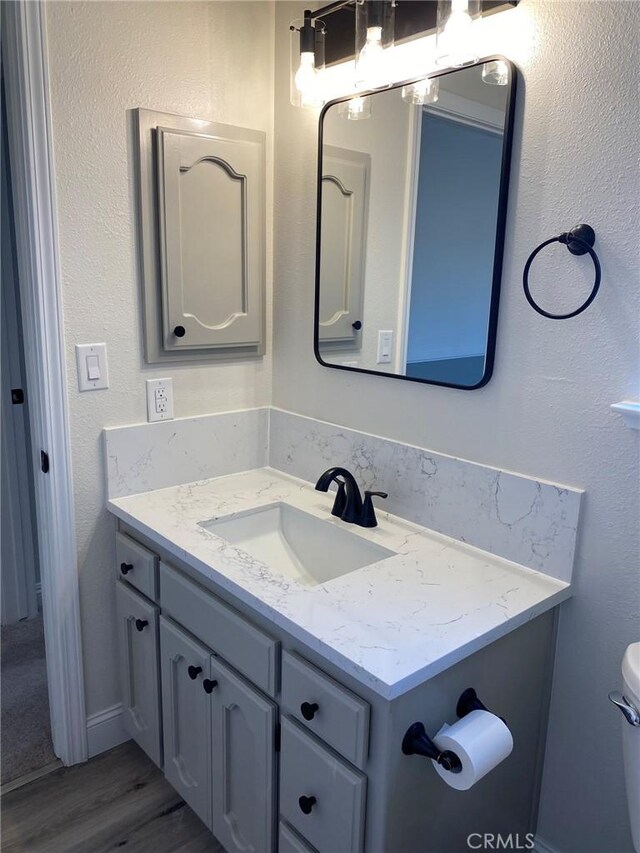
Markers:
{"x": 348, "y": 504}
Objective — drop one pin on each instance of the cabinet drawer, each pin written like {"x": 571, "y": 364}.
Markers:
{"x": 335, "y": 821}
{"x": 290, "y": 842}
{"x": 224, "y": 630}
{"x": 137, "y": 565}
{"x": 139, "y": 670}
{"x": 341, "y": 718}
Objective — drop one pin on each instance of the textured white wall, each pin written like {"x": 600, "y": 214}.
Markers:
{"x": 106, "y": 58}
{"x": 546, "y": 410}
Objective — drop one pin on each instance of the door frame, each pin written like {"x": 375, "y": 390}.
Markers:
{"x": 33, "y": 183}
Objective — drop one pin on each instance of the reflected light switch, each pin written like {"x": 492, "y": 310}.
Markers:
{"x": 91, "y": 360}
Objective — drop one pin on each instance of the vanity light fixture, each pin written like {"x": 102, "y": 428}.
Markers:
{"x": 355, "y": 109}
{"x": 455, "y": 33}
{"x": 392, "y": 42}
{"x": 495, "y": 73}
{"x": 421, "y": 92}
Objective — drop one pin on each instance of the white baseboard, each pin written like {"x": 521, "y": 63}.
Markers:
{"x": 105, "y": 730}
{"x": 542, "y": 846}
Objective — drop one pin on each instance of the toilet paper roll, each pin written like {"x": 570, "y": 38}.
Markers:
{"x": 480, "y": 740}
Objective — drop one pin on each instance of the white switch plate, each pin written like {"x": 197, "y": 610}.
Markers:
{"x": 93, "y": 371}
{"x": 159, "y": 400}
{"x": 385, "y": 345}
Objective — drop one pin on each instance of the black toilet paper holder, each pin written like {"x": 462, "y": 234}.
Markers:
{"x": 416, "y": 741}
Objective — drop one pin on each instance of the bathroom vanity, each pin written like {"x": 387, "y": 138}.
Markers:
{"x": 274, "y": 688}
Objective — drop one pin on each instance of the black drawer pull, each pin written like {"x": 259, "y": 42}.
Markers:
{"x": 125, "y": 568}
{"x": 306, "y": 804}
{"x": 141, "y": 624}
{"x": 194, "y": 672}
{"x": 308, "y": 710}
{"x": 208, "y": 685}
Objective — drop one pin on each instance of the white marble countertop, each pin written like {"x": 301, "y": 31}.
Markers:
{"x": 391, "y": 625}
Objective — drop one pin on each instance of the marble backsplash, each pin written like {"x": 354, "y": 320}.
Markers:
{"x": 143, "y": 457}
{"x": 529, "y": 521}
{"x": 532, "y": 522}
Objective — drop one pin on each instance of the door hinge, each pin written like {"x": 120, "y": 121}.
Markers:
{"x": 277, "y": 737}
{"x": 17, "y": 396}
{"x": 44, "y": 462}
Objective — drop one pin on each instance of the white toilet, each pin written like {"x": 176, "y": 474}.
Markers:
{"x": 629, "y": 703}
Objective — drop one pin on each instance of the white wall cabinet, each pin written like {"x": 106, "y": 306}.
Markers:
{"x": 202, "y": 220}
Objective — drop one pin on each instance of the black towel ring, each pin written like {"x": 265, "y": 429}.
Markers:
{"x": 578, "y": 241}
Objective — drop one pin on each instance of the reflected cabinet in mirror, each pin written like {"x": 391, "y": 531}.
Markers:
{"x": 411, "y": 209}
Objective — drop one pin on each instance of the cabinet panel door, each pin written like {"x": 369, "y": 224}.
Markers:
{"x": 243, "y": 730}
{"x": 345, "y": 187}
{"x": 211, "y": 197}
{"x": 139, "y": 672}
{"x": 186, "y": 717}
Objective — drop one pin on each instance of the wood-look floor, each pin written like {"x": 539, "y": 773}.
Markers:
{"x": 118, "y": 800}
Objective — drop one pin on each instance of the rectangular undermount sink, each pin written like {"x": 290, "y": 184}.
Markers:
{"x": 297, "y": 544}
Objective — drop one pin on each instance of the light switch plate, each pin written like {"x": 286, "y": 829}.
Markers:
{"x": 93, "y": 371}
{"x": 385, "y": 345}
{"x": 159, "y": 400}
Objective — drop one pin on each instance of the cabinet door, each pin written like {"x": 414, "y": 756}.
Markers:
{"x": 186, "y": 717}
{"x": 211, "y": 197}
{"x": 243, "y": 730}
{"x": 345, "y": 187}
{"x": 139, "y": 674}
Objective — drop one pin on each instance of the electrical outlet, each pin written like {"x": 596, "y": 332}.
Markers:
{"x": 159, "y": 400}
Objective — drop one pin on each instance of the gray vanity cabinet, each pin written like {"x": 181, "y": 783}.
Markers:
{"x": 278, "y": 751}
{"x": 186, "y": 715}
{"x": 139, "y": 677}
{"x": 243, "y": 739}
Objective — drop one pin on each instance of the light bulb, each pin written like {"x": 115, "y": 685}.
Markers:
{"x": 307, "y": 82}
{"x": 371, "y": 71}
{"x": 455, "y": 46}
{"x": 421, "y": 92}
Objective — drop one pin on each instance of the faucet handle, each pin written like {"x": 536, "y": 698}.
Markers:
{"x": 368, "y": 512}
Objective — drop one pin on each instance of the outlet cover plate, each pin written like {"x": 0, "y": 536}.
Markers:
{"x": 159, "y": 400}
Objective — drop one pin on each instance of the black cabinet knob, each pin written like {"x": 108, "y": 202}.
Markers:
{"x": 179, "y": 331}
{"x": 141, "y": 624}
{"x": 357, "y": 325}
{"x": 306, "y": 804}
{"x": 194, "y": 672}
{"x": 308, "y": 710}
{"x": 209, "y": 684}
{"x": 125, "y": 568}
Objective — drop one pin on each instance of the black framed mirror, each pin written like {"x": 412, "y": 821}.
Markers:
{"x": 412, "y": 198}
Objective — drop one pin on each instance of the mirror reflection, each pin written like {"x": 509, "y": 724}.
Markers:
{"x": 411, "y": 209}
